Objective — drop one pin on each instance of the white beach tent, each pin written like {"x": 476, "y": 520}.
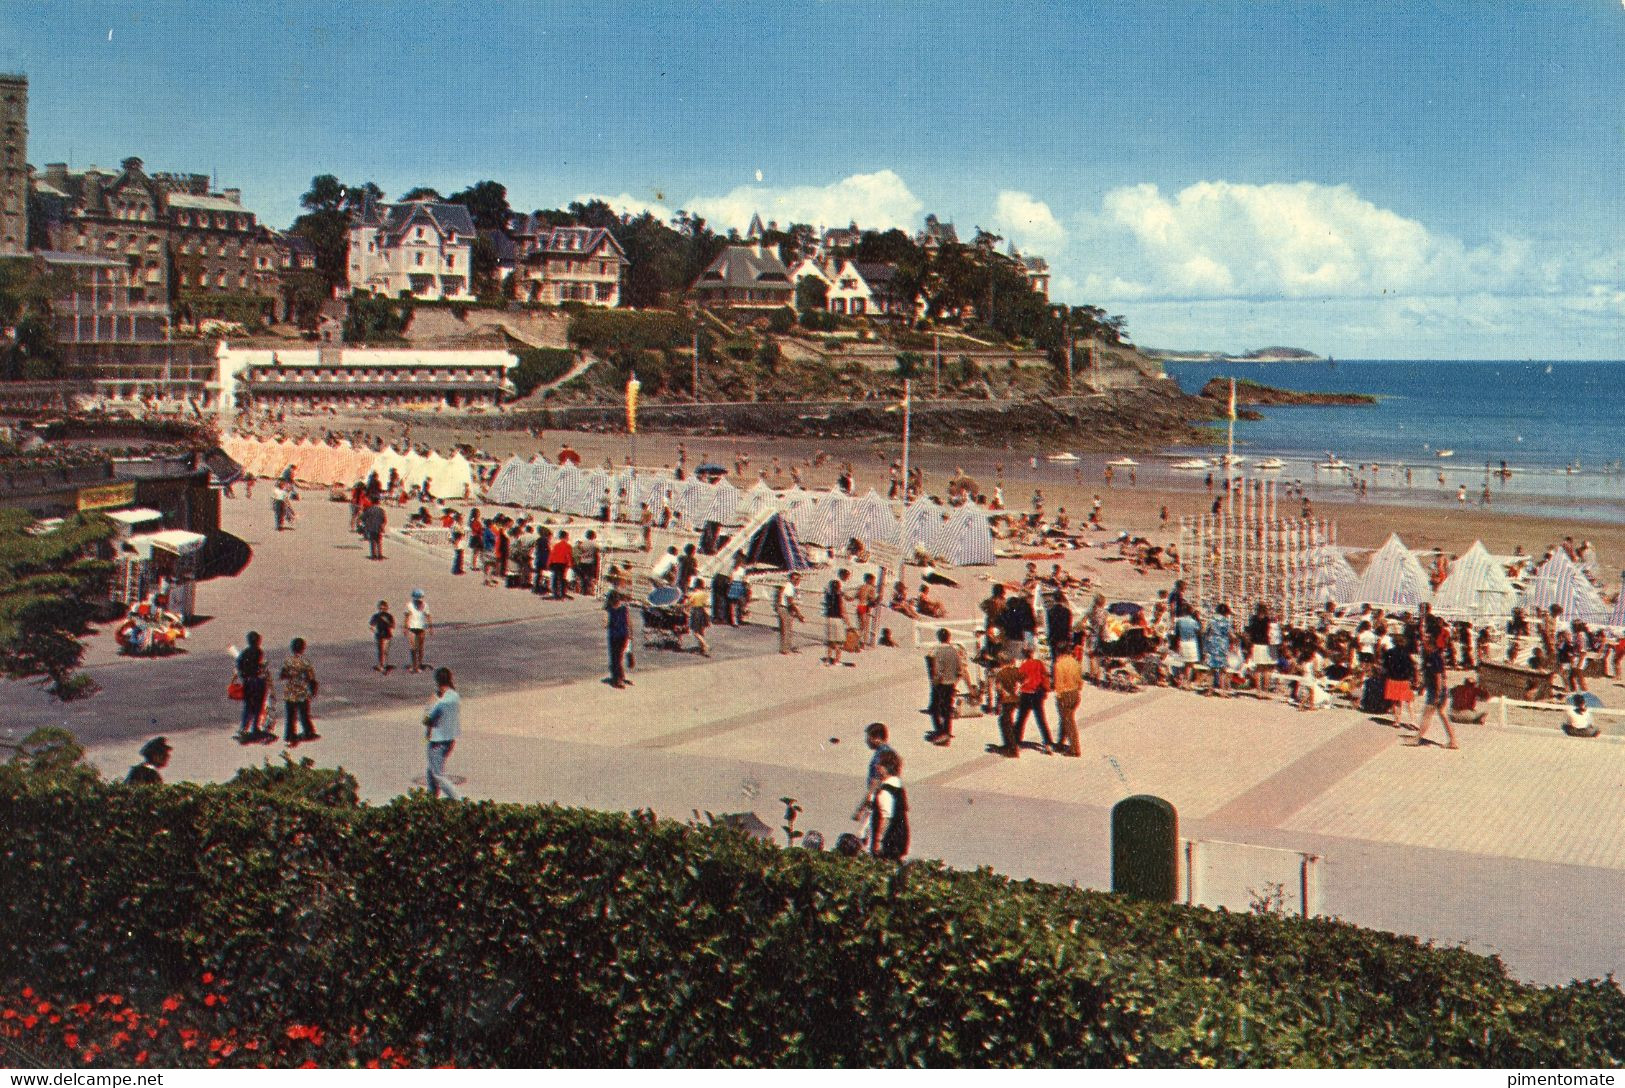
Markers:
{"x": 386, "y": 460}
{"x": 921, "y": 521}
{"x": 1560, "y": 582}
{"x": 415, "y": 468}
{"x": 757, "y": 498}
{"x": 1332, "y": 578}
{"x": 875, "y": 521}
{"x": 1476, "y": 588}
{"x": 723, "y": 504}
{"x": 1394, "y": 580}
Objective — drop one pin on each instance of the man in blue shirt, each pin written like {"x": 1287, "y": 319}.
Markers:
{"x": 443, "y": 724}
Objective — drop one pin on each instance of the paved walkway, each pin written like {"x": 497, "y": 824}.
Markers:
{"x": 1512, "y": 845}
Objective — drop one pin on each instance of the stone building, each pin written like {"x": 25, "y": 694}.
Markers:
{"x": 13, "y": 165}
{"x": 566, "y": 264}
{"x": 100, "y": 213}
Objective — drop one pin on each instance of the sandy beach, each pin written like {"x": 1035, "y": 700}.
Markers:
{"x": 1422, "y": 522}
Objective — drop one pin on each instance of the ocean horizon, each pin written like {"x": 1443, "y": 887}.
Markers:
{"x": 1554, "y": 424}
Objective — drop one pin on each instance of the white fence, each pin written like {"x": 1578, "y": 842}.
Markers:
{"x": 1242, "y": 877}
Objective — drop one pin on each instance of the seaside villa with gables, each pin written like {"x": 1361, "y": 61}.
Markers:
{"x": 423, "y": 248}
{"x": 566, "y": 264}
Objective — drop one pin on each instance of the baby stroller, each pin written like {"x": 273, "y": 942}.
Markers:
{"x": 665, "y": 618}
{"x": 1126, "y": 658}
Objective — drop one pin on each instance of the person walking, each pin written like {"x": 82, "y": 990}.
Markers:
{"x": 255, "y": 680}
{"x": 834, "y": 622}
{"x": 1399, "y": 672}
{"x": 279, "y": 505}
{"x": 442, "y": 725}
{"x": 875, "y": 736}
{"x": 944, "y": 664}
{"x": 299, "y": 687}
{"x": 540, "y": 556}
{"x": 867, "y": 597}
{"x": 788, "y": 611}
{"x": 888, "y": 826}
{"x": 418, "y": 625}
{"x": 383, "y": 630}
{"x": 738, "y": 591}
{"x": 586, "y": 561}
{"x": 558, "y": 564}
{"x": 618, "y": 627}
{"x": 1434, "y": 691}
{"x": 1068, "y": 693}
{"x": 373, "y": 523}
{"x": 1034, "y": 684}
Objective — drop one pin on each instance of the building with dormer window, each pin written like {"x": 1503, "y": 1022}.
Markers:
{"x": 422, "y": 248}
{"x": 566, "y": 264}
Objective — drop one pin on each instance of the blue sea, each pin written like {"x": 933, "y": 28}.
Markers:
{"x": 1556, "y": 425}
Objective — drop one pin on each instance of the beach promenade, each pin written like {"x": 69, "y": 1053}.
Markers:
{"x": 1513, "y": 845}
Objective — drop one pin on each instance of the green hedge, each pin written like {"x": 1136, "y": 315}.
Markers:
{"x": 490, "y": 934}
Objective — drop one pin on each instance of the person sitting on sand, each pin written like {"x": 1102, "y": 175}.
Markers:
{"x": 1579, "y": 722}
{"x": 901, "y": 603}
{"x": 928, "y": 606}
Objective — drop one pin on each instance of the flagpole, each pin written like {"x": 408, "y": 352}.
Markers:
{"x": 906, "y": 411}
{"x": 1230, "y": 449}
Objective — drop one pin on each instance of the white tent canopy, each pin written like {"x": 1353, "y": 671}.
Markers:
{"x": 1394, "y": 580}
{"x": 1476, "y": 588}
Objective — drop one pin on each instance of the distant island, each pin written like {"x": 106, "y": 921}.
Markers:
{"x": 1257, "y": 393}
{"x": 1260, "y": 355}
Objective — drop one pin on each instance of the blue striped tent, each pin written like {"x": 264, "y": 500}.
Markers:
{"x": 966, "y": 540}
{"x": 875, "y": 522}
{"x": 825, "y": 520}
{"x": 1560, "y": 582}
{"x": 921, "y": 520}
{"x": 506, "y": 487}
{"x": 1394, "y": 580}
{"x": 1476, "y": 588}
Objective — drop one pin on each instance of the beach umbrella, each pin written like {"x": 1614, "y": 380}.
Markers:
{"x": 1394, "y": 580}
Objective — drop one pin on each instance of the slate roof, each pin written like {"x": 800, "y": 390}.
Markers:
{"x": 876, "y": 273}
{"x": 743, "y": 266}
{"x": 447, "y": 218}
{"x": 574, "y": 240}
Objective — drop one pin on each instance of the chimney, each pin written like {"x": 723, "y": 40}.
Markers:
{"x": 56, "y": 174}
{"x": 233, "y": 195}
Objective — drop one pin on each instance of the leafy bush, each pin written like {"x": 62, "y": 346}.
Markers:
{"x": 491, "y": 934}
{"x": 602, "y": 331}
{"x": 375, "y": 319}
{"x": 538, "y": 366}
{"x": 909, "y": 364}
{"x": 301, "y": 781}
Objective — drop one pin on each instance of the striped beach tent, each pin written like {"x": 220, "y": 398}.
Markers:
{"x": 821, "y": 521}
{"x": 1616, "y": 615}
{"x": 964, "y": 539}
{"x": 723, "y": 504}
{"x": 875, "y": 522}
{"x": 1331, "y": 577}
{"x": 1560, "y": 582}
{"x": 921, "y": 520}
{"x": 1476, "y": 588}
{"x": 1394, "y": 580}
{"x": 506, "y": 487}
{"x": 757, "y": 498}
{"x": 566, "y": 486}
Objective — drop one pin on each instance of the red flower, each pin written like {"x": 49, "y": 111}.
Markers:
{"x": 43, "y": 1007}
{"x": 141, "y": 1058}
{"x": 210, "y": 999}
{"x": 171, "y": 1003}
{"x": 81, "y": 1009}
{"x": 29, "y": 1021}
{"x": 28, "y": 992}
{"x": 208, "y": 977}
{"x": 119, "y": 1039}
{"x": 309, "y": 1065}
{"x": 70, "y": 1039}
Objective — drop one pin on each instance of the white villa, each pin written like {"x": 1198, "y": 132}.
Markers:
{"x": 421, "y": 247}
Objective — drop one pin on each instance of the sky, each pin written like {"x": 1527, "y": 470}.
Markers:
{"x": 1364, "y": 179}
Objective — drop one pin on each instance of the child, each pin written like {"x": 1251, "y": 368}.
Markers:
{"x": 383, "y": 629}
{"x": 459, "y": 550}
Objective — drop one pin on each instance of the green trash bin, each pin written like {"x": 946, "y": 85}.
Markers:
{"x": 1145, "y": 848}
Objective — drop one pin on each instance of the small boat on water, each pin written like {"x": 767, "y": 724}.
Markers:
{"x": 1062, "y": 458}
{"x": 1124, "y": 462}
{"x": 1333, "y": 464}
{"x": 1192, "y": 464}
{"x": 1270, "y": 464}
{"x": 1444, "y": 453}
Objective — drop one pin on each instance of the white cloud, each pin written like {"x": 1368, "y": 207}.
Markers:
{"x": 1219, "y": 239}
{"x": 627, "y": 204}
{"x": 876, "y": 201}
{"x": 1028, "y": 222}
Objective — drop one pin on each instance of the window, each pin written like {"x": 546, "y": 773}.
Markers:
{"x": 451, "y": 260}
{"x": 420, "y": 259}
{"x": 420, "y": 234}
